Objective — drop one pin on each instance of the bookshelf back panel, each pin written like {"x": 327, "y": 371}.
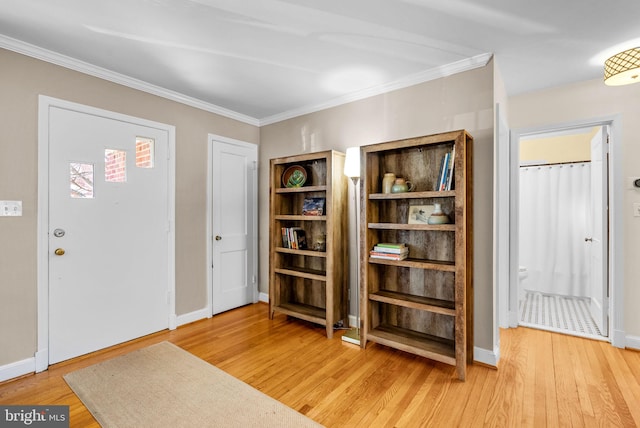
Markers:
{"x": 398, "y": 210}
{"x": 316, "y": 172}
{"x": 315, "y": 231}
{"x": 420, "y": 165}
{"x": 417, "y": 282}
{"x": 302, "y": 290}
{"x": 303, "y": 262}
{"x": 417, "y": 320}
{"x": 425, "y": 244}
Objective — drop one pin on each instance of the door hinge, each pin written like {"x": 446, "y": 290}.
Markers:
{"x": 253, "y": 279}
{"x": 255, "y": 165}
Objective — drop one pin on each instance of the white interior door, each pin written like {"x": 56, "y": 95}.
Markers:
{"x": 234, "y": 224}
{"x": 598, "y": 240}
{"x": 109, "y": 279}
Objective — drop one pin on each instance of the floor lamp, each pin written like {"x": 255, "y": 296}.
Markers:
{"x": 352, "y": 170}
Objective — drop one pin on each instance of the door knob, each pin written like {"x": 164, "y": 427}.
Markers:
{"x": 218, "y": 237}
{"x": 59, "y": 252}
{"x": 588, "y": 239}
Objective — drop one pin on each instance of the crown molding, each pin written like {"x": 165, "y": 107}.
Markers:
{"x": 414, "y": 79}
{"x": 121, "y": 79}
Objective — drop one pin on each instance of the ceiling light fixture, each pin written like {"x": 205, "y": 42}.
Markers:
{"x": 623, "y": 68}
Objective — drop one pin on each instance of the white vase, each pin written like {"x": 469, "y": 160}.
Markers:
{"x": 438, "y": 216}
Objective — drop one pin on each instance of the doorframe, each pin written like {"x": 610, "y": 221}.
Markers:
{"x": 615, "y": 188}
{"x": 211, "y": 140}
{"x": 45, "y": 103}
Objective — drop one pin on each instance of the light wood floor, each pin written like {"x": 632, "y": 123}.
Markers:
{"x": 544, "y": 379}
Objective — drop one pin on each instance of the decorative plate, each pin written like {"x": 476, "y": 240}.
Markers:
{"x": 294, "y": 176}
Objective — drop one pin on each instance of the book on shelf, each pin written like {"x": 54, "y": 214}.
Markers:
{"x": 391, "y": 245}
{"x": 450, "y": 172}
{"x": 294, "y": 238}
{"x": 388, "y": 256}
{"x": 445, "y": 175}
{"x": 313, "y": 206}
{"x": 390, "y": 250}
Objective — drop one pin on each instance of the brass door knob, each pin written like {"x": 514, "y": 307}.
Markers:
{"x": 59, "y": 252}
{"x": 218, "y": 237}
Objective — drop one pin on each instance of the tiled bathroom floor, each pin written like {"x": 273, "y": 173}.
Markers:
{"x": 560, "y": 314}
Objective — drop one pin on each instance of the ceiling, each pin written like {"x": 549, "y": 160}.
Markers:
{"x": 265, "y": 60}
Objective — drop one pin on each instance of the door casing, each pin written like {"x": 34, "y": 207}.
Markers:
{"x": 44, "y": 105}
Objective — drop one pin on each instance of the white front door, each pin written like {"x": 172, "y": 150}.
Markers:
{"x": 598, "y": 283}
{"x": 108, "y": 227}
{"x": 233, "y": 224}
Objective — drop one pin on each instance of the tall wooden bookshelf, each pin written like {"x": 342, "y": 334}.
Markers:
{"x": 310, "y": 284}
{"x": 422, "y": 304}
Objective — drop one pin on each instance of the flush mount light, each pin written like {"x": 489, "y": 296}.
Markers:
{"x": 623, "y": 68}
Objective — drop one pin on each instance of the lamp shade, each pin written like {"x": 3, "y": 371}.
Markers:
{"x": 623, "y": 68}
{"x": 352, "y": 162}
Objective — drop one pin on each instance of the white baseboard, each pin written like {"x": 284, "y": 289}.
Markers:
{"x": 264, "y": 297}
{"x": 486, "y": 356}
{"x": 192, "y": 316}
{"x": 19, "y": 368}
{"x": 632, "y": 342}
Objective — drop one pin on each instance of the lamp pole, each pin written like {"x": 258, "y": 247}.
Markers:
{"x": 352, "y": 170}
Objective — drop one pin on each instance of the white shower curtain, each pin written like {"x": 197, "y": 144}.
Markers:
{"x": 554, "y": 222}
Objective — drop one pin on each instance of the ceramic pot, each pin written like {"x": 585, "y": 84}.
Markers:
{"x": 437, "y": 216}
{"x": 401, "y": 185}
{"x": 387, "y": 182}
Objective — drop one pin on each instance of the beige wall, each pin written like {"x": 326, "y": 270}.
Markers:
{"x": 592, "y": 100}
{"x": 561, "y": 149}
{"x": 22, "y": 79}
{"x": 462, "y": 101}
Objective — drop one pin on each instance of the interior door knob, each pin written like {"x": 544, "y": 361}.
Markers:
{"x": 59, "y": 252}
{"x": 588, "y": 239}
{"x": 218, "y": 237}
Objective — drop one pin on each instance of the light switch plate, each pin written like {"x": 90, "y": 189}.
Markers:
{"x": 10, "y": 208}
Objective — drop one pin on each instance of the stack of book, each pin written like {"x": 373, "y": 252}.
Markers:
{"x": 294, "y": 238}
{"x": 445, "y": 177}
{"x": 389, "y": 251}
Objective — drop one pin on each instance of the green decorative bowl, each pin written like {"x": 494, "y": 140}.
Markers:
{"x": 294, "y": 176}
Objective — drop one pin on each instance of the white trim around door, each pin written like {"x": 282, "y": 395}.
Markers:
{"x": 45, "y": 104}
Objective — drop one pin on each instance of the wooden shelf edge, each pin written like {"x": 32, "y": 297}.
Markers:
{"x": 418, "y": 263}
{"x": 303, "y": 189}
{"x": 413, "y": 195}
{"x": 302, "y": 273}
{"x": 444, "y": 307}
{"x": 311, "y": 253}
{"x": 434, "y": 348}
{"x": 405, "y": 226}
{"x": 308, "y": 313}
{"x": 300, "y": 217}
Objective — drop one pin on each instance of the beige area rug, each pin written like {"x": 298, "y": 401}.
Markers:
{"x": 165, "y": 386}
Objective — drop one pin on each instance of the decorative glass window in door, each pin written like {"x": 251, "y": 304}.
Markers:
{"x": 115, "y": 166}
{"x": 81, "y": 180}
{"x": 144, "y": 152}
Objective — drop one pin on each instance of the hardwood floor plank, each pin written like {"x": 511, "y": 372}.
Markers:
{"x": 543, "y": 379}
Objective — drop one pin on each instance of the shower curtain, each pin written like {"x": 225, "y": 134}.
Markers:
{"x": 554, "y": 222}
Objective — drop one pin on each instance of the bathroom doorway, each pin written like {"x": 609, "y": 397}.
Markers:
{"x": 562, "y": 225}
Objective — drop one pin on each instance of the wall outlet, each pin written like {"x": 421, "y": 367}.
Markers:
{"x": 10, "y": 208}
